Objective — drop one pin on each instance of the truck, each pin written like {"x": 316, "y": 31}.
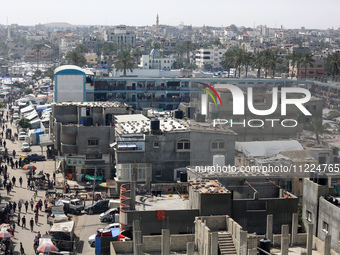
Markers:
{"x": 71, "y": 205}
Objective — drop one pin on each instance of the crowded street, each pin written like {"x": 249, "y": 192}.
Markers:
{"x": 19, "y": 195}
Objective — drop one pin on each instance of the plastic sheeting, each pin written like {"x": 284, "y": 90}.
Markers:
{"x": 267, "y": 148}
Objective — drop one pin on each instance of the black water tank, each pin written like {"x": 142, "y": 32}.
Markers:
{"x": 178, "y": 114}
{"x": 311, "y": 176}
{"x": 315, "y": 177}
{"x": 154, "y": 124}
{"x": 265, "y": 245}
{"x": 322, "y": 179}
{"x": 184, "y": 177}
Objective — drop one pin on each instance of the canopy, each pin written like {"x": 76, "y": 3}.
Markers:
{"x": 91, "y": 177}
{"x": 65, "y": 227}
{"x": 267, "y": 148}
{"x": 27, "y": 109}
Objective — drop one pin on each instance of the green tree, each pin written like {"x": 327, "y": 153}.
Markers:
{"x": 227, "y": 61}
{"x": 247, "y": 60}
{"x": 124, "y": 61}
{"x": 332, "y": 63}
{"x": 75, "y": 57}
{"x": 50, "y": 72}
{"x": 317, "y": 127}
{"x": 82, "y": 48}
{"x": 24, "y": 123}
{"x": 259, "y": 62}
{"x": 273, "y": 58}
{"x": 307, "y": 60}
{"x": 238, "y": 60}
{"x": 28, "y": 91}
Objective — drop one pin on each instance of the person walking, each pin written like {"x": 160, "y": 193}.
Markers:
{"x": 26, "y": 205}
{"x": 31, "y": 224}
{"x": 14, "y": 152}
{"x": 36, "y": 218}
{"x": 20, "y": 181}
{"x": 19, "y": 206}
{"x": 22, "y": 251}
{"x": 19, "y": 219}
{"x": 32, "y": 203}
{"x": 14, "y": 180}
{"x": 23, "y": 222}
{"x": 37, "y": 207}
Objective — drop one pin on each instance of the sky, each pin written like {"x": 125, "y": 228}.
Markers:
{"x": 312, "y": 14}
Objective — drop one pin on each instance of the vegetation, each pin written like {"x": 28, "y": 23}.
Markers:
{"x": 317, "y": 127}
{"x": 50, "y": 72}
{"x": 76, "y": 57}
{"x": 24, "y": 123}
{"x": 28, "y": 91}
{"x": 124, "y": 61}
{"x": 332, "y": 63}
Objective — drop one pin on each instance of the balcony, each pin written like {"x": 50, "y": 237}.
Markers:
{"x": 69, "y": 129}
{"x": 69, "y": 148}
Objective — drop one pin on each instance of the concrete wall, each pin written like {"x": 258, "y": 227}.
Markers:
{"x": 318, "y": 244}
{"x": 178, "y": 221}
{"x": 301, "y": 241}
{"x": 252, "y": 214}
{"x": 239, "y": 236}
{"x": 105, "y": 135}
{"x": 330, "y": 214}
{"x": 312, "y": 191}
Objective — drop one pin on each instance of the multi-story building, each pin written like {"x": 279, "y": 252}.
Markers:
{"x": 85, "y": 130}
{"x": 161, "y": 148}
{"x": 91, "y": 43}
{"x": 68, "y": 42}
{"x": 121, "y": 36}
{"x": 91, "y": 58}
{"x": 41, "y": 55}
{"x": 16, "y": 50}
{"x": 155, "y": 61}
{"x": 212, "y": 57}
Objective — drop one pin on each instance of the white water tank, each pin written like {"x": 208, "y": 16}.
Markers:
{"x": 218, "y": 160}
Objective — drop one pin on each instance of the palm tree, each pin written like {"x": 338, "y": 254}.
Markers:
{"x": 317, "y": 127}
{"x": 298, "y": 57}
{"x": 238, "y": 60}
{"x": 124, "y": 61}
{"x": 37, "y": 47}
{"x": 273, "y": 60}
{"x": 307, "y": 60}
{"x": 227, "y": 61}
{"x": 332, "y": 64}
{"x": 75, "y": 57}
{"x": 258, "y": 62}
{"x": 292, "y": 62}
{"x": 247, "y": 59}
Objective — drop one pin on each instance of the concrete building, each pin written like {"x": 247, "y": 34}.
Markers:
{"x": 121, "y": 36}
{"x": 85, "y": 130}
{"x": 91, "y": 58}
{"x": 68, "y": 42}
{"x": 321, "y": 209}
{"x": 161, "y": 149}
{"x": 41, "y": 56}
{"x": 155, "y": 61}
{"x": 212, "y": 57}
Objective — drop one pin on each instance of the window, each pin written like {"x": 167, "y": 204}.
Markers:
{"x": 156, "y": 144}
{"x": 183, "y": 145}
{"x": 308, "y": 216}
{"x": 88, "y": 111}
{"x": 93, "y": 142}
{"x": 158, "y": 174}
{"x": 93, "y": 156}
{"x": 218, "y": 144}
{"x": 325, "y": 226}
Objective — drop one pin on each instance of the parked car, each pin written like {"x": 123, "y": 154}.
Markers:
{"x": 22, "y": 136}
{"x": 35, "y": 157}
{"x": 106, "y": 231}
{"x": 25, "y": 147}
{"x": 16, "y": 116}
{"x": 105, "y": 216}
{"x": 98, "y": 207}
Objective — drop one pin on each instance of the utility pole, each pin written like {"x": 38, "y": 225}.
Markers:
{"x": 94, "y": 183}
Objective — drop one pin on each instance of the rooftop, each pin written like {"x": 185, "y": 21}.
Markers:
{"x": 209, "y": 187}
{"x": 93, "y": 104}
{"x": 163, "y": 202}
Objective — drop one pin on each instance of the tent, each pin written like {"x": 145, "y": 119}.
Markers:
{"x": 91, "y": 177}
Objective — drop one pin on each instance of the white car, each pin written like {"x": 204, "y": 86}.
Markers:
{"x": 22, "y": 136}
{"x": 105, "y": 216}
{"x": 25, "y": 147}
{"x": 92, "y": 238}
{"x": 16, "y": 116}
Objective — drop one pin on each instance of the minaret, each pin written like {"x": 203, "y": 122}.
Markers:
{"x": 157, "y": 24}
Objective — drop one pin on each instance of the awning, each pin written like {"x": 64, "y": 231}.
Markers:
{"x": 127, "y": 146}
{"x": 91, "y": 177}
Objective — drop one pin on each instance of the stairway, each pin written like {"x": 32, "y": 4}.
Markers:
{"x": 226, "y": 244}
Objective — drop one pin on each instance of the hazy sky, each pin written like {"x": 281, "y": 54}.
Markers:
{"x": 289, "y": 13}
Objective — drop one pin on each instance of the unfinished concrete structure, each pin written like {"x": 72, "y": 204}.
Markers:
{"x": 85, "y": 130}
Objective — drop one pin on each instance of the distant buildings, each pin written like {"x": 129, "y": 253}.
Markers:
{"x": 209, "y": 57}
{"x": 121, "y": 36}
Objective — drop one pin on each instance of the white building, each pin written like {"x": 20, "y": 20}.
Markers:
{"x": 121, "y": 36}
{"x": 155, "y": 61}
{"x": 209, "y": 56}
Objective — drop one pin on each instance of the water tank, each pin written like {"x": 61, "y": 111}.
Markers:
{"x": 311, "y": 176}
{"x": 184, "y": 177}
{"x": 218, "y": 160}
{"x": 265, "y": 245}
{"x": 154, "y": 124}
{"x": 315, "y": 177}
{"x": 178, "y": 114}
{"x": 322, "y": 179}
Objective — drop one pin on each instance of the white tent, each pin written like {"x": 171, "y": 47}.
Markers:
{"x": 267, "y": 148}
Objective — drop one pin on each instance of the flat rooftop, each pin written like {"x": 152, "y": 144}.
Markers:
{"x": 163, "y": 202}
{"x": 93, "y": 104}
{"x": 209, "y": 187}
